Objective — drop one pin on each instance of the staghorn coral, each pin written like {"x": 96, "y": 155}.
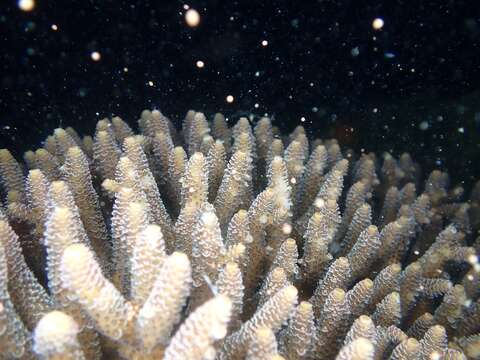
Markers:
{"x": 231, "y": 243}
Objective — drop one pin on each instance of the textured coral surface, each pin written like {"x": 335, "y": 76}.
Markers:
{"x": 232, "y": 241}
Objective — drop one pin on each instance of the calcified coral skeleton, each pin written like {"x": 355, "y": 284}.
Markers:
{"x": 231, "y": 243}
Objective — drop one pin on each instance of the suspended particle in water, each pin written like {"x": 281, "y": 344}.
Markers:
{"x": 230, "y": 99}
{"x": 95, "y": 55}
{"x": 264, "y": 42}
{"x": 424, "y": 125}
{"x": 286, "y": 228}
{"x": 26, "y": 5}
{"x": 378, "y": 23}
{"x": 355, "y": 51}
{"x": 54, "y": 27}
{"x": 192, "y": 18}
{"x": 200, "y": 64}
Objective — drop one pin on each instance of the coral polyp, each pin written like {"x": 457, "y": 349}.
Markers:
{"x": 232, "y": 243}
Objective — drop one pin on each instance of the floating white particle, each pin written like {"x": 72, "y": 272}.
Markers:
{"x": 150, "y": 83}
{"x": 54, "y": 27}
{"x": 378, "y": 23}
{"x": 230, "y": 99}
{"x": 319, "y": 203}
{"x": 125, "y": 69}
{"x": 424, "y": 125}
{"x": 472, "y": 259}
{"x": 287, "y": 228}
{"x": 302, "y": 119}
{"x": 256, "y": 105}
{"x": 461, "y": 130}
{"x": 186, "y": 7}
{"x": 200, "y": 64}
{"x": 26, "y": 5}
{"x": 375, "y": 110}
{"x": 257, "y": 73}
{"x": 264, "y": 42}
{"x": 355, "y": 51}
{"x": 96, "y": 56}
{"x": 192, "y": 18}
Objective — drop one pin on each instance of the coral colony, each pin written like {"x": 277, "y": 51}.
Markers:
{"x": 218, "y": 242}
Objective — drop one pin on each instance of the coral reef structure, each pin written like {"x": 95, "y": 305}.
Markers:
{"x": 232, "y": 242}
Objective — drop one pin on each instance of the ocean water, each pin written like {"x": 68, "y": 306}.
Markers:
{"x": 381, "y": 76}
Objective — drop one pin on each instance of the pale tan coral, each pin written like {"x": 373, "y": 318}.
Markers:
{"x": 13, "y": 334}
{"x": 11, "y": 177}
{"x": 55, "y": 338}
{"x": 230, "y": 283}
{"x": 147, "y": 259}
{"x": 106, "y": 154}
{"x": 239, "y": 230}
{"x": 300, "y": 334}
{"x": 78, "y": 177}
{"x": 30, "y": 298}
{"x": 406, "y": 350}
{"x": 362, "y": 327}
{"x": 82, "y": 276}
{"x": 272, "y": 315}
{"x": 196, "y": 338}
{"x": 332, "y": 325}
{"x": 263, "y": 345}
{"x": 359, "y": 349}
{"x": 359, "y": 297}
{"x": 337, "y": 276}
{"x": 161, "y": 312}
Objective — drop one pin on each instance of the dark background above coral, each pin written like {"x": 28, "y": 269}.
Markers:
{"x": 413, "y": 85}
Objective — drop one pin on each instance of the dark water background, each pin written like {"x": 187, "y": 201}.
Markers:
{"x": 413, "y": 85}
